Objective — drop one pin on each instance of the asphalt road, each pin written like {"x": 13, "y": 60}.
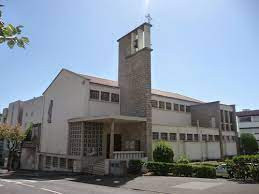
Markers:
{"x": 100, "y": 185}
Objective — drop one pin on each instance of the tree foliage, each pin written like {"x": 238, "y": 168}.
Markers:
{"x": 163, "y": 152}
{"x": 11, "y": 34}
{"x": 248, "y": 143}
{"x": 14, "y": 137}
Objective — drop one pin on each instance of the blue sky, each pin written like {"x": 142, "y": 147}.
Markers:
{"x": 206, "y": 49}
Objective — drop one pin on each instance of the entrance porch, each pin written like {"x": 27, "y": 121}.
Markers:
{"x": 98, "y": 141}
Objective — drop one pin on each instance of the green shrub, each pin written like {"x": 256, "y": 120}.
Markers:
{"x": 243, "y": 167}
{"x": 182, "y": 170}
{"x": 255, "y": 172}
{"x": 248, "y": 143}
{"x": 203, "y": 171}
{"x": 183, "y": 160}
{"x": 159, "y": 168}
{"x": 135, "y": 166}
{"x": 163, "y": 152}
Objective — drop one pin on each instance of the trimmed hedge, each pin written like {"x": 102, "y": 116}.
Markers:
{"x": 244, "y": 167}
{"x": 204, "y": 171}
{"x": 201, "y": 171}
{"x": 135, "y": 166}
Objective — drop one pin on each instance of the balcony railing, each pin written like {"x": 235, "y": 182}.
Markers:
{"x": 129, "y": 155}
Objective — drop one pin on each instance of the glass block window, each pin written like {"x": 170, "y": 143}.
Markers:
{"x": 182, "y": 108}
{"x": 216, "y": 137}
{"x": 94, "y": 94}
{"x": 176, "y": 107}
{"x": 173, "y": 137}
{"x": 48, "y": 162}
{"x": 105, "y": 96}
{"x": 189, "y": 137}
{"x": 182, "y": 136}
{"x": 62, "y": 162}
{"x": 164, "y": 136}
{"x": 210, "y": 137}
{"x": 188, "y": 109}
{"x": 204, "y": 137}
{"x": 154, "y": 103}
{"x": 75, "y": 138}
{"x": 70, "y": 164}
{"x": 168, "y": 106}
{"x": 115, "y": 97}
{"x": 55, "y": 162}
{"x": 93, "y": 139}
{"x": 161, "y": 104}
{"x": 196, "y": 137}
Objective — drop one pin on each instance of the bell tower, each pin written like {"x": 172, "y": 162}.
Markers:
{"x": 135, "y": 77}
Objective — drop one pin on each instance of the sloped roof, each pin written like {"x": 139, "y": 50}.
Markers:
{"x": 112, "y": 83}
{"x": 174, "y": 95}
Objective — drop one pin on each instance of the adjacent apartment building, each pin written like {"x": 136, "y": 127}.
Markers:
{"x": 248, "y": 122}
{"x": 85, "y": 123}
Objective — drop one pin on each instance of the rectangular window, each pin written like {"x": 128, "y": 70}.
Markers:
{"x": 188, "y": 109}
{"x": 50, "y": 111}
{"x": 155, "y": 136}
{"x": 227, "y": 127}
{"x": 216, "y": 137}
{"x": 55, "y": 162}
{"x": 196, "y": 137}
{"x": 233, "y": 138}
{"x": 62, "y": 162}
{"x": 154, "y": 103}
{"x": 161, "y": 104}
{"x": 223, "y": 126}
{"x": 48, "y": 162}
{"x": 168, "y": 106}
{"x": 105, "y": 96}
{"x": 231, "y": 117}
{"x": 164, "y": 136}
{"x": 204, "y": 137}
{"x": 182, "y": 136}
{"x": 245, "y": 119}
{"x": 228, "y": 138}
{"x": 210, "y": 137}
{"x": 182, "y": 108}
{"x": 70, "y": 163}
{"x": 115, "y": 97}
{"x": 222, "y": 116}
{"x": 94, "y": 94}
{"x": 226, "y": 116}
{"x": 173, "y": 137}
{"x": 176, "y": 107}
{"x": 189, "y": 137}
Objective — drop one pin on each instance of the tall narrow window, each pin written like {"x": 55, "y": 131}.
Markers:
{"x": 176, "y": 107}
{"x": 50, "y": 111}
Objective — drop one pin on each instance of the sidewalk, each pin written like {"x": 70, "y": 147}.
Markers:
{"x": 34, "y": 173}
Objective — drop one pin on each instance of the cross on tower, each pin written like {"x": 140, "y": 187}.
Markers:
{"x": 149, "y": 18}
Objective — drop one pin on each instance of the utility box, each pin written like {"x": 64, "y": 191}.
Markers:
{"x": 118, "y": 167}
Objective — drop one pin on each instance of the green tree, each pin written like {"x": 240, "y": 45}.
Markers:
{"x": 14, "y": 137}
{"x": 248, "y": 143}
{"x": 163, "y": 152}
{"x": 11, "y": 34}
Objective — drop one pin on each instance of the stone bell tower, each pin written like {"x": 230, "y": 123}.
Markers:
{"x": 135, "y": 77}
